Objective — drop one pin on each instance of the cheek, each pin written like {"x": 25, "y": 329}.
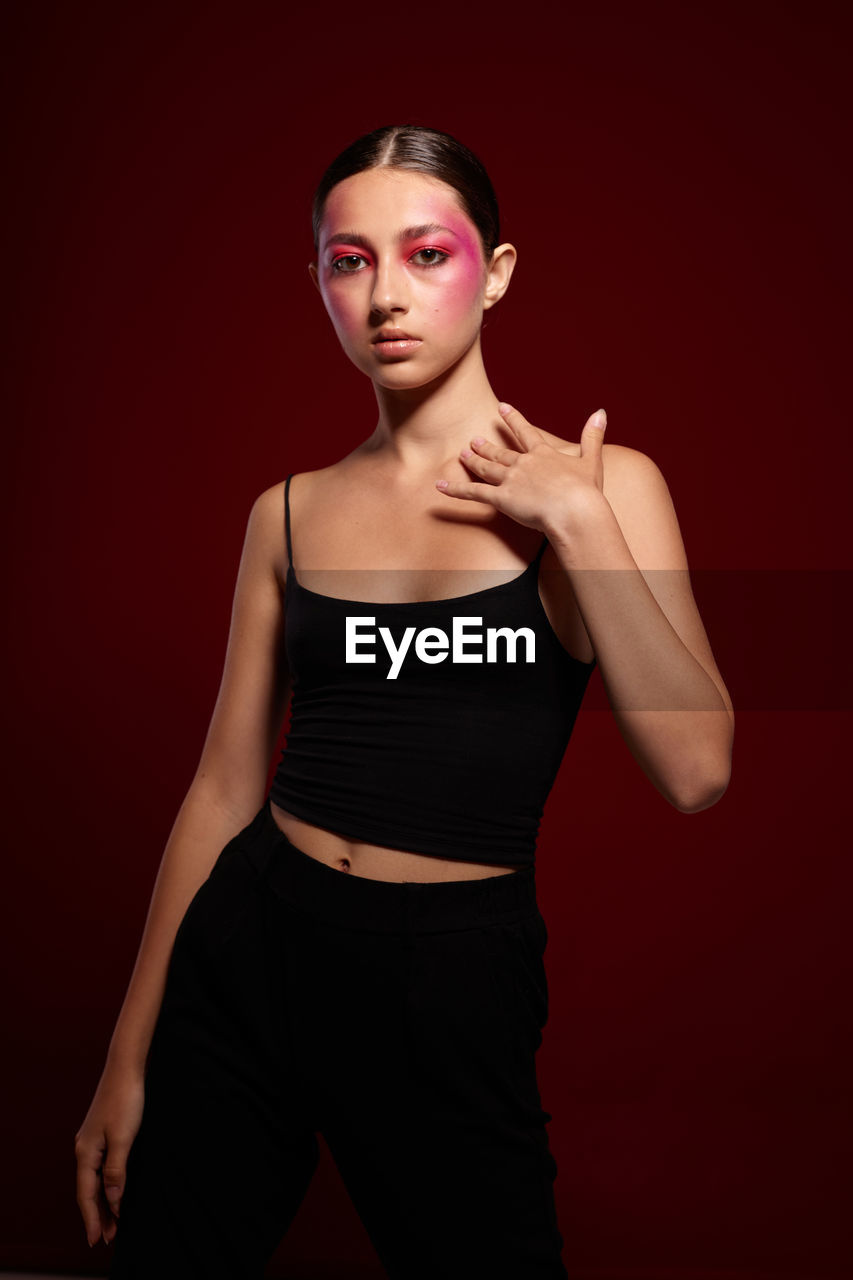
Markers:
{"x": 346, "y": 315}
{"x": 460, "y": 297}
{"x": 461, "y": 286}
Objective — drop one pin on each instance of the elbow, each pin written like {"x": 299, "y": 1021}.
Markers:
{"x": 700, "y": 792}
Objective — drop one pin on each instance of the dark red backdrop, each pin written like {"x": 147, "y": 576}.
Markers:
{"x": 673, "y": 178}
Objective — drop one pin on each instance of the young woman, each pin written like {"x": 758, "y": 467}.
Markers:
{"x": 359, "y": 953}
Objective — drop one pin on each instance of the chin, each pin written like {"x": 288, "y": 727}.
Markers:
{"x": 414, "y": 373}
{"x": 398, "y": 375}
{"x": 410, "y": 380}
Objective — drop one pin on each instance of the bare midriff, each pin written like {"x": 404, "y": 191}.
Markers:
{"x": 374, "y": 861}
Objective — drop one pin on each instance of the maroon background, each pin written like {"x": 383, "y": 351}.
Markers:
{"x": 674, "y": 180}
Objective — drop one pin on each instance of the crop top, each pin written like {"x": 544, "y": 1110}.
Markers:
{"x": 433, "y": 726}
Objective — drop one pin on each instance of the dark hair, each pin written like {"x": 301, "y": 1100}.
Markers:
{"x": 423, "y": 150}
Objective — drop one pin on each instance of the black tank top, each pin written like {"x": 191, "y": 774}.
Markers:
{"x": 448, "y": 741}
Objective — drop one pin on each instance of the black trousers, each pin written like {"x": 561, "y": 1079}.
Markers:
{"x": 400, "y": 1021}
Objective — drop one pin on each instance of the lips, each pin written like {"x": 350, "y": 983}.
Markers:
{"x": 394, "y": 335}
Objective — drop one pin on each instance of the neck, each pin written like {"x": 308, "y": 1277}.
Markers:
{"x": 419, "y": 428}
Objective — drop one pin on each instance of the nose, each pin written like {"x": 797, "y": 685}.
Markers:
{"x": 390, "y": 288}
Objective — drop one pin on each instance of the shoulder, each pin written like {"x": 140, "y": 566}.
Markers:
{"x": 631, "y": 476}
{"x": 628, "y": 473}
{"x": 266, "y": 532}
{"x": 639, "y": 496}
{"x": 265, "y": 543}
{"x": 267, "y": 512}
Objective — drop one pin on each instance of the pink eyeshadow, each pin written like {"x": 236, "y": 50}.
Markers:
{"x": 456, "y": 284}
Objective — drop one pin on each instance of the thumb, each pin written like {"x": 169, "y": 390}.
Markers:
{"x": 592, "y": 435}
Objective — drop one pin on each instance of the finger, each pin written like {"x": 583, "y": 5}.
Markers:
{"x": 88, "y": 1188}
{"x": 114, "y": 1173}
{"x": 109, "y": 1221}
{"x": 592, "y": 435}
{"x": 486, "y": 449}
{"x": 494, "y": 472}
{"x": 109, "y": 1217}
{"x": 524, "y": 431}
{"x": 459, "y": 489}
{"x": 110, "y": 1231}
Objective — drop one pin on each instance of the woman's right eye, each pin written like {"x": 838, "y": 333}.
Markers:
{"x": 340, "y": 269}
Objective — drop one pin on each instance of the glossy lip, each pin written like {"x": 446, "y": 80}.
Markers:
{"x": 394, "y": 335}
{"x": 396, "y": 348}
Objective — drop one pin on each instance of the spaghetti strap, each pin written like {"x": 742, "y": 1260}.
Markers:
{"x": 287, "y": 519}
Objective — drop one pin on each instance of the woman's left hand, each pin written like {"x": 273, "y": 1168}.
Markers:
{"x": 534, "y": 483}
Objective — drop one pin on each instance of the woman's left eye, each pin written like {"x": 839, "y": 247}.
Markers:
{"x": 435, "y": 261}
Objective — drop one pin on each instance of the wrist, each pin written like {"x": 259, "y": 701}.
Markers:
{"x": 591, "y": 539}
{"x": 588, "y": 519}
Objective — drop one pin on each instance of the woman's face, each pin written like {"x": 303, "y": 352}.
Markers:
{"x": 396, "y": 251}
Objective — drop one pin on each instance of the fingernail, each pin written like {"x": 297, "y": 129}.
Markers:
{"x": 441, "y": 484}
{"x": 602, "y": 418}
{"x": 503, "y": 407}
{"x": 478, "y": 440}
{"x": 466, "y": 453}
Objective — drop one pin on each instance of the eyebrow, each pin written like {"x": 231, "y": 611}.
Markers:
{"x": 408, "y": 233}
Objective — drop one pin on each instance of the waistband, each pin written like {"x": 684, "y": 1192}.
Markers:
{"x": 382, "y": 906}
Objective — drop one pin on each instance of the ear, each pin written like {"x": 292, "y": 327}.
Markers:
{"x": 312, "y": 271}
{"x": 499, "y": 272}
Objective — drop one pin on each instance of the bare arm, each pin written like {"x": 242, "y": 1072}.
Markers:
{"x": 608, "y": 515}
{"x": 230, "y": 782}
{"x": 625, "y": 557}
{"x": 225, "y": 794}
